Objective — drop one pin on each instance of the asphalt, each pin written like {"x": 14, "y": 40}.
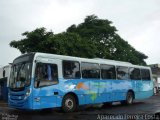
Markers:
{"x": 140, "y": 109}
{"x": 3, "y": 104}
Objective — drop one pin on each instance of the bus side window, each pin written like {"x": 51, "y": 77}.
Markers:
{"x": 145, "y": 74}
{"x": 108, "y": 71}
{"x": 134, "y": 74}
{"x": 71, "y": 70}
{"x": 46, "y": 74}
{"x": 90, "y": 70}
{"x": 122, "y": 73}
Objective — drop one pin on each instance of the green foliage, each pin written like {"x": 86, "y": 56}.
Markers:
{"x": 93, "y": 38}
{"x": 34, "y": 41}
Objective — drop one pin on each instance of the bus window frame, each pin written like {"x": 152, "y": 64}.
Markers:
{"x": 149, "y": 74}
{"x": 114, "y": 71}
{"x": 96, "y": 69}
{"x": 44, "y": 85}
{"x": 139, "y": 72}
{"x": 117, "y": 73}
{"x": 79, "y": 70}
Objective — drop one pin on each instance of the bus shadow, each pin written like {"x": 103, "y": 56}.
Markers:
{"x": 86, "y": 111}
{"x": 89, "y": 112}
{"x": 114, "y": 105}
{"x": 81, "y": 109}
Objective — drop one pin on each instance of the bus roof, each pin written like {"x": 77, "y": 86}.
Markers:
{"x": 94, "y": 60}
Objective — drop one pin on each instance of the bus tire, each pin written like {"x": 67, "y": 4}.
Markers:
{"x": 69, "y": 103}
{"x": 129, "y": 98}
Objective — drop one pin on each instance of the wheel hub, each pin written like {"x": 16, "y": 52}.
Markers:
{"x": 69, "y": 103}
{"x": 130, "y": 98}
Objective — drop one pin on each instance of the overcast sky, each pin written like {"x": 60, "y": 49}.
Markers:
{"x": 137, "y": 21}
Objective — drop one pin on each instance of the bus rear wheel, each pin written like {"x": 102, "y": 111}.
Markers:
{"x": 129, "y": 98}
{"x": 69, "y": 103}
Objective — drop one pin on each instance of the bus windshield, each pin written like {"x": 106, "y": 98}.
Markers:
{"x": 20, "y": 75}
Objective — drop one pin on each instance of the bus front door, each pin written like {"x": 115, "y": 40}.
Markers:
{"x": 46, "y": 80}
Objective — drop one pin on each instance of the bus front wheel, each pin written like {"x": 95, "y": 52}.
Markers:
{"x": 69, "y": 103}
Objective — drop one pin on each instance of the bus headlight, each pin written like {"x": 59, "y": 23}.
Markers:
{"x": 27, "y": 94}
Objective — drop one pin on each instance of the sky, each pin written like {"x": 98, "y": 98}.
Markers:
{"x": 137, "y": 21}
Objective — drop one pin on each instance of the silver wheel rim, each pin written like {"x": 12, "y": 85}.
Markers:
{"x": 130, "y": 98}
{"x": 69, "y": 103}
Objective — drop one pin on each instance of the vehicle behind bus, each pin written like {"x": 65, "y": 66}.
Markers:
{"x": 40, "y": 81}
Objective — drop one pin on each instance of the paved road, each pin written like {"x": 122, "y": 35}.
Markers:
{"x": 96, "y": 112}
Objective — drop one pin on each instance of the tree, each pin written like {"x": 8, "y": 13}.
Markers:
{"x": 93, "y": 38}
{"x": 34, "y": 41}
{"x": 109, "y": 44}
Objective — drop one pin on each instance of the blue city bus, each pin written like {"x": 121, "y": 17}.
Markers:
{"x": 40, "y": 81}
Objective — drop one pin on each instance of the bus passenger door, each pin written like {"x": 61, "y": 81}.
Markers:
{"x": 46, "y": 80}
